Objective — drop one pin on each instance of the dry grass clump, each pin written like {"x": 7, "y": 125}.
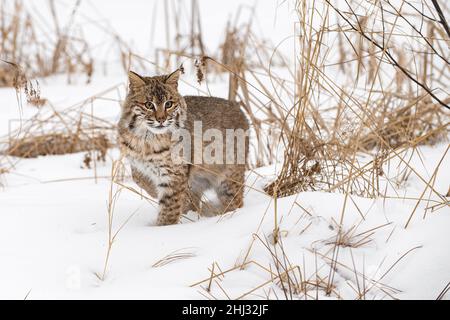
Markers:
{"x": 303, "y": 174}
{"x": 23, "y": 43}
{"x": 399, "y": 126}
{"x": 52, "y": 132}
{"x": 387, "y": 108}
{"x": 57, "y": 144}
{"x": 12, "y": 75}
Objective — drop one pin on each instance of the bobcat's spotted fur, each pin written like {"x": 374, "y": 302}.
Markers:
{"x": 153, "y": 111}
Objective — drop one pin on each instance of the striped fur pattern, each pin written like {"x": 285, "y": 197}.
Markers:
{"x": 152, "y": 112}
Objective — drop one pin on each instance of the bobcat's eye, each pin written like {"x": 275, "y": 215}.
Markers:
{"x": 168, "y": 104}
{"x": 149, "y": 105}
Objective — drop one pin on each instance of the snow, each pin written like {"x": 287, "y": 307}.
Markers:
{"x": 54, "y": 217}
{"x": 53, "y": 233}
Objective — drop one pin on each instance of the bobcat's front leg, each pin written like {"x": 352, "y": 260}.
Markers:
{"x": 172, "y": 194}
{"x": 144, "y": 182}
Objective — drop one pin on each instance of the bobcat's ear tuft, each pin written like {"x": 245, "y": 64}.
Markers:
{"x": 172, "y": 79}
{"x": 135, "y": 79}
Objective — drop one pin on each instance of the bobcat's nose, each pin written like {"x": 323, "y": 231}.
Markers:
{"x": 160, "y": 116}
{"x": 160, "y": 120}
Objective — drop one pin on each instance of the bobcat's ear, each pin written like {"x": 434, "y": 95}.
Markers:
{"x": 172, "y": 79}
{"x": 135, "y": 79}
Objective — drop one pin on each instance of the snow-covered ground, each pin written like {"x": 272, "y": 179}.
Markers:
{"x": 53, "y": 236}
{"x": 54, "y": 218}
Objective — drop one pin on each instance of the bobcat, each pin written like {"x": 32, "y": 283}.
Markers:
{"x": 152, "y": 114}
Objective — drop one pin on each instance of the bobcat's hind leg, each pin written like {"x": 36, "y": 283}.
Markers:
{"x": 231, "y": 195}
{"x": 197, "y": 187}
{"x": 230, "y": 191}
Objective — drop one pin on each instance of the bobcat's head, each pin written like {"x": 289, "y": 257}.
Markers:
{"x": 155, "y": 101}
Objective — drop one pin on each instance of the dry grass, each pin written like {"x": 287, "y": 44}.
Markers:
{"x": 172, "y": 257}
{"x": 22, "y": 44}
{"x": 376, "y": 120}
{"x": 69, "y": 131}
{"x": 54, "y": 144}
